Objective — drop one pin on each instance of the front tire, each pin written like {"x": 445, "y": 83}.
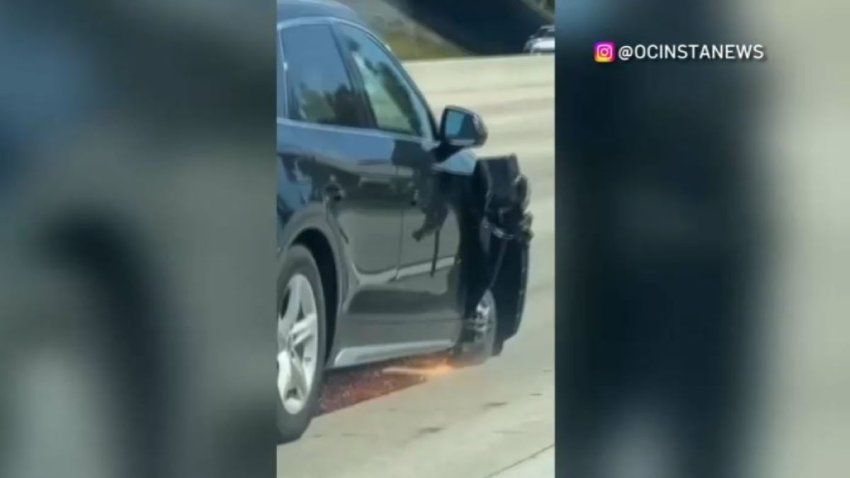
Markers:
{"x": 301, "y": 342}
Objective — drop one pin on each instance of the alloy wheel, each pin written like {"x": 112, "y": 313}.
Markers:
{"x": 297, "y": 344}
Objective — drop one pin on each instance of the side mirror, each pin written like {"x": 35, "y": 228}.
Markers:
{"x": 461, "y": 128}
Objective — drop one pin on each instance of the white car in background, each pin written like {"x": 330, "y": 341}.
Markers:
{"x": 543, "y": 41}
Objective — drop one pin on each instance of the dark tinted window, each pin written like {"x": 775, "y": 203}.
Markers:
{"x": 396, "y": 106}
{"x": 319, "y": 87}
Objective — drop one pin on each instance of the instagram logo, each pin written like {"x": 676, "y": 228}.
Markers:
{"x": 603, "y": 52}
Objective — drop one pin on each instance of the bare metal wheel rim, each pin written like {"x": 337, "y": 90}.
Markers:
{"x": 484, "y": 319}
{"x": 297, "y": 344}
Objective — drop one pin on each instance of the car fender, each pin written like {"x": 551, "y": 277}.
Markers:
{"x": 313, "y": 216}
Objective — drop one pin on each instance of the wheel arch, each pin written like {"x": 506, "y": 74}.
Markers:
{"x": 310, "y": 230}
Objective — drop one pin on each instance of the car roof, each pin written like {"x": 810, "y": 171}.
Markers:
{"x": 295, "y": 9}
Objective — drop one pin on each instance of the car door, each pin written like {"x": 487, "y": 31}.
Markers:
{"x": 332, "y": 163}
{"x": 426, "y": 281}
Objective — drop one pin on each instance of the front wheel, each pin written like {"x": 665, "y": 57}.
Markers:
{"x": 478, "y": 342}
{"x": 300, "y": 342}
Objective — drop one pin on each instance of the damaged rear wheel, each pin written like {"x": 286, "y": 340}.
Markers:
{"x": 478, "y": 342}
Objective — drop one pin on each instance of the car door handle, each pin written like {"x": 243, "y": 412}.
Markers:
{"x": 334, "y": 192}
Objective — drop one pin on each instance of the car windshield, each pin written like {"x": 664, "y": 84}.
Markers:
{"x": 547, "y": 32}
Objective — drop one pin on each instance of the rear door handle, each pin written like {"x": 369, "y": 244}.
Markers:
{"x": 334, "y": 192}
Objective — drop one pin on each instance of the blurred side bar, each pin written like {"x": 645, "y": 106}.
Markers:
{"x": 138, "y": 230}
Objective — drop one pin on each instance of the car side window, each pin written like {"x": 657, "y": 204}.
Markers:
{"x": 395, "y": 104}
{"x": 319, "y": 87}
{"x": 281, "y": 84}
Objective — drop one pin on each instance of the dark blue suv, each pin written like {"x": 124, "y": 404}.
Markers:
{"x": 379, "y": 250}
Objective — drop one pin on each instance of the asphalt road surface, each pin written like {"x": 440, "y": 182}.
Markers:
{"x": 417, "y": 418}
